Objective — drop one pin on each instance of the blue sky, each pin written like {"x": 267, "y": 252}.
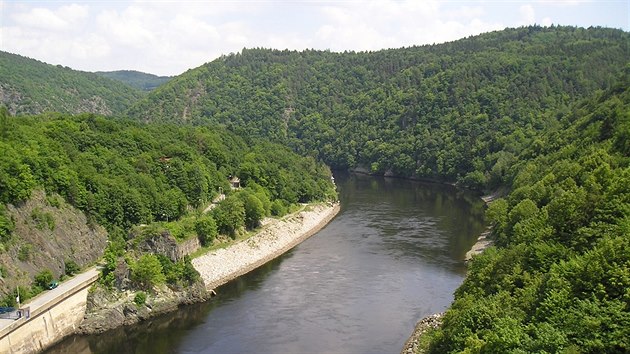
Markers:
{"x": 168, "y": 37}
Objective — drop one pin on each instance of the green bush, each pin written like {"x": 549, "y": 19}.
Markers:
{"x": 44, "y": 278}
{"x": 147, "y": 271}
{"x": 278, "y": 207}
{"x": 24, "y": 253}
{"x": 140, "y": 298}
{"x": 6, "y": 225}
{"x": 43, "y": 219}
{"x": 178, "y": 273}
{"x": 53, "y": 200}
{"x": 229, "y": 215}
{"x": 206, "y": 229}
{"x": 254, "y": 209}
{"x": 71, "y": 267}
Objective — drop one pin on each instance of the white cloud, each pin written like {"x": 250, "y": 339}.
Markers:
{"x": 42, "y": 19}
{"x": 89, "y": 47}
{"x": 564, "y": 2}
{"x": 528, "y": 14}
{"x": 190, "y": 29}
{"x": 168, "y": 37}
{"x": 133, "y": 27}
{"x": 73, "y": 13}
{"x": 388, "y": 24}
{"x": 466, "y": 12}
{"x": 64, "y": 18}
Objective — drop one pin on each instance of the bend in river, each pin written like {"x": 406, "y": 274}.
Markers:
{"x": 393, "y": 255}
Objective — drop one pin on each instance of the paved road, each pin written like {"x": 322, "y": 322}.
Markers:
{"x": 50, "y": 297}
{"x": 63, "y": 288}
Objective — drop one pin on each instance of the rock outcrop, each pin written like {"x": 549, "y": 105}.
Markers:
{"x": 48, "y": 233}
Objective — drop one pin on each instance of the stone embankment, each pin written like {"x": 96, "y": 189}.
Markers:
{"x": 482, "y": 243}
{"x": 222, "y": 265}
{"x": 425, "y": 324}
{"x": 435, "y": 320}
{"x": 107, "y": 310}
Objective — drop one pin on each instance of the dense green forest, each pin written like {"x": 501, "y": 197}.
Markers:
{"x": 540, "y": 114}
{"x": 28, "y": 86}
{"x": 122, "y": 173}
{"x": 559, "y": 278}
{"x": 459, "y": 111}
{"x": 137, "y": 79}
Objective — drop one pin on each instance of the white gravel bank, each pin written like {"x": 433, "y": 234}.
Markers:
{"x": 222, "y": 265}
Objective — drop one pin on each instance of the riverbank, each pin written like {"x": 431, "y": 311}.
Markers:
{"x": 482, "y": 243}
{"x": 277, "y": 237}
{"x": 434, "y": 321}
{"x": 428, "y": 323}
{"x": 107, "y": 310}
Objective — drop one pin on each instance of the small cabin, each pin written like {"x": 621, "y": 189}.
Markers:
{"x": 235, "y": 182}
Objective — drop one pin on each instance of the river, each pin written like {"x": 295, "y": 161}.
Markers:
{"x": 393, "y": 255}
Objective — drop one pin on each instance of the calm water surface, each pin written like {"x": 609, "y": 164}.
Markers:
{"x": 392, "y": 255}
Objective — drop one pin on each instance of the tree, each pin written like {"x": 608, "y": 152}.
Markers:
{"x": 147, "y": 271}
{"x": 5, "y": 122}
{"x": 71, "y": 267}
{"x": 206, "y": 229}
{"x": 16, "y": 178}
{"x": 6, "y": 225}
{"x": 229, "y": 215}
{"x": 44, "y": 278}
{"x": 254, "y": 210}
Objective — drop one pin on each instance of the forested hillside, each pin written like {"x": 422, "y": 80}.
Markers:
{"x": 455, "y": 111}
{"x": 123, "y": 174}
{"x": 542, "y": 114}
{"x": 559, "y": 280}
{"x": 28, "y": 86}
{"x": 137, "y": 79}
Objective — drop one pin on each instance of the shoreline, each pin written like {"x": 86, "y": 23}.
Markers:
{"x": 107, "y": 312}
{"x": 427, "y": 323}
{"x": 434, "y": 321}
{"x": 223, "y": 265}
{"x": 482, "y": 243}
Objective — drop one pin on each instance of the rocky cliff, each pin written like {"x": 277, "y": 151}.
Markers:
{"x": 48, "y": 233}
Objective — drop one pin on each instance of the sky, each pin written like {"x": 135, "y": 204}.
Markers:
{"x": 166, "y": 37}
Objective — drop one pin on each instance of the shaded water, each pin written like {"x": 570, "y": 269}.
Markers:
{"x": 392, "y": 255}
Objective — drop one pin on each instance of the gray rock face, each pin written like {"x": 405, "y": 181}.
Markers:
{"x": 108, "y": 309}
{"x": 48, "y": 232}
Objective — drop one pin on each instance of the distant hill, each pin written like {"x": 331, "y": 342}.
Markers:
{"x": 29, "y": 86}
{"x": 137, "y": 79}
{"x": 456, "y": 111}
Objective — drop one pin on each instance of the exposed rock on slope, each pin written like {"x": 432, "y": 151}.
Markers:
{"x": 48, "y": 232}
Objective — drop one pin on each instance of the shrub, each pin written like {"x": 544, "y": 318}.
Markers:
{"x": 24, "y": 253}
{"x": 229, "y": 216}
{"x": 279, "y": 207}
{"x": 147, "y": 271}
{"x": 140, "y": 298}
{"x": 6, "y": 225}
{"x": 43, "y": 219}
{"x": 43, "y": 278}
{"x": 71, "y": 267}
{"x": 206, "y": 229}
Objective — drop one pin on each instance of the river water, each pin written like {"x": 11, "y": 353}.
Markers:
{"x": 393, "y": 255}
